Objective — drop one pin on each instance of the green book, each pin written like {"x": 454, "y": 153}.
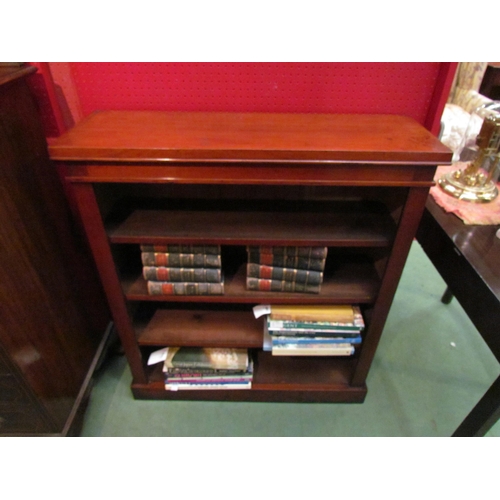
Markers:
{"x": 207, "y": 358}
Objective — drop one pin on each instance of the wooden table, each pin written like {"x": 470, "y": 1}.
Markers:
{"x": 467, "y": 257}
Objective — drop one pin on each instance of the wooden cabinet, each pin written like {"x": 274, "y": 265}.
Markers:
{"x": 52, "y": 308}
{"x": 356, "y": 184}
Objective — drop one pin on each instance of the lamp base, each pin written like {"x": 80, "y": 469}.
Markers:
{"x": 453, "y": 184}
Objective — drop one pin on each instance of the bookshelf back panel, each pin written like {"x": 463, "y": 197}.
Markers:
{"x": 118, "y": 201}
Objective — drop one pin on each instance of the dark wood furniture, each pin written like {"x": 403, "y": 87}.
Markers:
{"x": 354, "y": 183}
{"x": 467, "y": 258}
{"x": 53, "y": 314}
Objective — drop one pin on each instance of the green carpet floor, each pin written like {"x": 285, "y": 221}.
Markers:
{"x": 429, "y": 371}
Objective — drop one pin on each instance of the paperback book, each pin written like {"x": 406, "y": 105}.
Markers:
{"x": 316, "y": 350}
{"x": 312, "y": 341}
{"x": 338, "y": 314}
{"x": 335, "y": 332}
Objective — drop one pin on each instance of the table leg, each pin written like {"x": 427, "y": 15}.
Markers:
{"x": 447, "y": 296}
{"x": 484, "y": 415}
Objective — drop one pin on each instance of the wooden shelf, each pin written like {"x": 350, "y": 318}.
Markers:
{"x": 198, "y": 327}
{"x": 277, "y": 379}
{"x": 354, "y": 282}
{"x": 357, "y": 226}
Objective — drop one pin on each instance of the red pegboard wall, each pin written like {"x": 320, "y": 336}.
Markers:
{"x": 399, "y": 88}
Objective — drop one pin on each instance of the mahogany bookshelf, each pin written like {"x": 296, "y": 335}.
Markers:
{"x": 354, "y": 183}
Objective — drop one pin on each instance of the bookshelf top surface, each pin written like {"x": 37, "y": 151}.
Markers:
{"x": 235, "y": 137}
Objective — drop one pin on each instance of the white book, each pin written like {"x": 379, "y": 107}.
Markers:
{"x": 316, "y": 350}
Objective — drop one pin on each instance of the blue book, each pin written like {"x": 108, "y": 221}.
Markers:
{"x": 281, "y": 340}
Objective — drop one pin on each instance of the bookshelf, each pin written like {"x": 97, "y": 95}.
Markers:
{"x": 354, "y": 183}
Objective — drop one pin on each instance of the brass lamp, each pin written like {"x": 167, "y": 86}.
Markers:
{"x": 480, "y": 150}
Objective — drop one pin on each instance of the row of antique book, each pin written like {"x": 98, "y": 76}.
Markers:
{"x": 330, "y": 330}
{"x": 197, "y": 269}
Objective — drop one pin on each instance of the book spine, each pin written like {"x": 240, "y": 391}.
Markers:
{"x": 162, "y": 259}
{"x": 171, "y": 288}
{"x": 195, "y": 274}
{"x": 308, "y": 319}
{"x": 308, "y": 263}
{"x": 314, "y": 341}
{"x": 325, "y": 350}
{"x": 284, "y": 274}
{"x": 314, "y": 333}
{"x": 209, "y": 378}
{"x": 310, "y": 325}
{"x": 262, "y": 285}
{"x": 291, "y": 251}
{"x": 337, "y": 313}
{"x": 205, "y": 387}
{"x": 175, "y": 248}
{"x": 200, "y": 371}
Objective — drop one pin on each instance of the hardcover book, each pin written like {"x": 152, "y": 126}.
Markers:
{"x": 176, "y": 248}
{"x": 291, "y": 251}
{"x": 207, "y": 358}
{"x": 163, "y": 259}
{"x": 194, "y": 274}
{"x": 263, "y": 285}
{"x": 190, "y": 288}
{"x": 304, "y": 276}
{"x": 269, "y": 259}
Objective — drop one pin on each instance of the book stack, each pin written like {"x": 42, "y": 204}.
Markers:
{"x": 285, "y": 268}
{"x": 203, "y": 368}
{"x": 314, "y": 330}
{"x": 182, "y": 269}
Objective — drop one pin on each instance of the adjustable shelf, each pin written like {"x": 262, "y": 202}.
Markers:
{"x": 352, "y": 282}
{"x": 334, "y": 225}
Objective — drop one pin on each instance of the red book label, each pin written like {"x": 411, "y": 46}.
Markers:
{"x": 266, "y": 258}
{"x": 162, "y": 274}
